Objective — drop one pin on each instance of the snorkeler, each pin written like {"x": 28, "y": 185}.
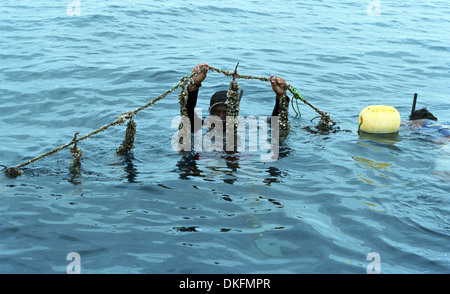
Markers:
{"x": 218, "y": 101}
{"x": 426, "y": 121}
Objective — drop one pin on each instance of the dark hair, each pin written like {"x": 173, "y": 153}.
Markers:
{"x": 422, "y": 114}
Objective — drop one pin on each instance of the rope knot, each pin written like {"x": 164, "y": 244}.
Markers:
{"x": 126, "y": 116}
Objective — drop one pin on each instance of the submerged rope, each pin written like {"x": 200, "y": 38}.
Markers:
{"x": 15, "y": 171}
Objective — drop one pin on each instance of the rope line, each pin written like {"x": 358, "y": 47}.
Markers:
{"x": 326, "y": 120}
{"x": 15, "y": 171}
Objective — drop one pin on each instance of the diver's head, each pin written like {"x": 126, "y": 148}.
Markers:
{"x": 218, "y": 104}
{"x": 422, "y": 114}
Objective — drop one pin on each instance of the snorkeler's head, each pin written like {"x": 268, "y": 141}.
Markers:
{"x": 218, "y": 99}
{"x": 218, "y": 103}
{"x": 422, "y": 114}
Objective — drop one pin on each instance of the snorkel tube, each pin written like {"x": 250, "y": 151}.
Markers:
{"x": 414, "y": 104}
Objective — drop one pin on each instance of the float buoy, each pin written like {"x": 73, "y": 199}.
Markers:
{"x": 379, "y": 119}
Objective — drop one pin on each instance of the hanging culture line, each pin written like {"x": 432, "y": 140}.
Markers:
{"x": 326, "y": 120}
{"x": 127, "y": 144}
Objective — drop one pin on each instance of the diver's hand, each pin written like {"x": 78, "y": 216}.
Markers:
{"x": 200, "y": 77}
{"x": 278, "y": 86}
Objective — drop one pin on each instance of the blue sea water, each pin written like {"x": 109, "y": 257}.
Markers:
{"x": 322, "y": 207}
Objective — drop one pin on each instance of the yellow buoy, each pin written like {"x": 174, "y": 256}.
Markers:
{"x": 379, "y": 119}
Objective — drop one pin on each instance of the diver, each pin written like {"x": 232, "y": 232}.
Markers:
{"x": 218, "y": 101}
{"x": 187, "y": 166}
{"x": 426, "y": 123}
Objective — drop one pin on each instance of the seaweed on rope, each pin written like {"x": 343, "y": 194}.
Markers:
{"x": 324, "y": 126}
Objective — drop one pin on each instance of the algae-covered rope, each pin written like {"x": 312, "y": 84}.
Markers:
{"x": 291, "y": 89}
{"x": 325, "y": 123}
{"x": 233, "y": 95}
{"x": 76, "y": 152}
{"x": 128, "y": 142}
{"x": 14, "y": 171}
{"x": 239, "y": 76}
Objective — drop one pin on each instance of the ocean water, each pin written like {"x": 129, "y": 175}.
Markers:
{"x": 327, "y": 204}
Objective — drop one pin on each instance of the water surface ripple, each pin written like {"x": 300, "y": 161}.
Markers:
{"x": 321, "y": 208}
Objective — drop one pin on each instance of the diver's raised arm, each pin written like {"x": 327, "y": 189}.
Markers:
{"x": 199, "y": 78}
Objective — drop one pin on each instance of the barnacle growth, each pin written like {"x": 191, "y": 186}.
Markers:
{"x": 233, "y": 101}
{"x": 183, "y": 131}
{"x": 183, "y": 96}
{"x": 13, "y": 172}
{"x": 128, "y": 142}
{"x": 284, "y": 116}
{"x": 325, "y": 125}
{"x": 76, "y": 152}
